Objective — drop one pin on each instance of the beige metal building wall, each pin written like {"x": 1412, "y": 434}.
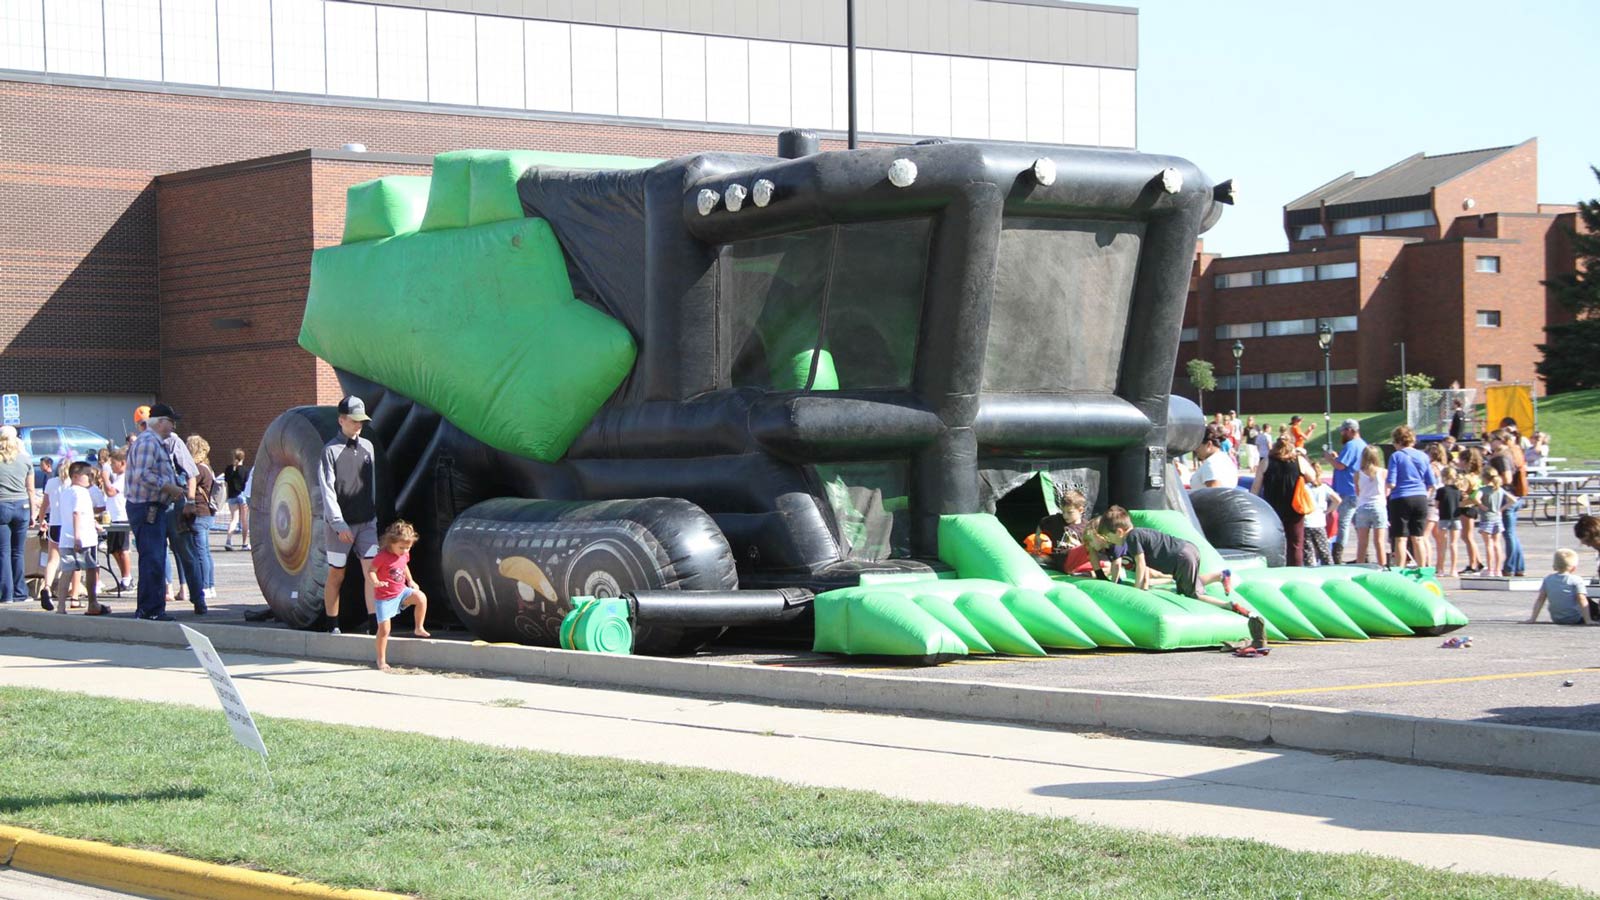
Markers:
{"x": 1084, "y": 34}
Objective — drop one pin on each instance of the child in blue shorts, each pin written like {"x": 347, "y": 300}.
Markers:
{"x": 393, "y": 588}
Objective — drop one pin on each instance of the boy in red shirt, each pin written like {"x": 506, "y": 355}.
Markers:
{"x": 393, "y": 588}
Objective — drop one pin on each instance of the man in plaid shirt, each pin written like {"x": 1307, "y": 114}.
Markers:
{"x": 154, "y": 482}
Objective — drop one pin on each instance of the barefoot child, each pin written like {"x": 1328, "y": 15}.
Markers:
{"x": 1157, "y": 551}
{"x": 393, "y": 588}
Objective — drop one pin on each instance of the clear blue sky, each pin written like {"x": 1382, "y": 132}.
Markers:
{"x": 1283, "y": 96}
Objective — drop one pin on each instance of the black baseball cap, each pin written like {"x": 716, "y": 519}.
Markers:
{"x": 163, "y": 411}
{"x": 353, "y": 407}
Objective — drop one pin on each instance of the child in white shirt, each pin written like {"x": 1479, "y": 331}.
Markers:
{"x": 79, "y": 537}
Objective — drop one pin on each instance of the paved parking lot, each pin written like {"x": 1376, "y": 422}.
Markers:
{"x": 1512, "y": 673}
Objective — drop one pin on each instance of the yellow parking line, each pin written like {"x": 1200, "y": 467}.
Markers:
{"x": 1392, "y": 684}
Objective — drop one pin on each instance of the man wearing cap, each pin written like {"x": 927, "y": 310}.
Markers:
{"x": 154, "y": 484}
{"x": 1346, "y": 463}
{"x": 350, "y": 504}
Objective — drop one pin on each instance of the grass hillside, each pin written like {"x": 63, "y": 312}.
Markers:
{"x": 1572, "y": 420}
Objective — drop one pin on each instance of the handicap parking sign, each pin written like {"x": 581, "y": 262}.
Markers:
{"x": 10, "y": 409}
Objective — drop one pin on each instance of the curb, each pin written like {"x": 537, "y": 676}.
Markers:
{"x": 1522, "y": 749}
{"x": 156, "y": 874}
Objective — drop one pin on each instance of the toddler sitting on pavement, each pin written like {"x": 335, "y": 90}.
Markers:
{"x": 1566, "y": 593}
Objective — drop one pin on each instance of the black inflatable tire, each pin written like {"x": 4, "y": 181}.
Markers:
{"x": 290, "y": 553}
{"x": 512, "y": 566}
{"x": 1235, "y": 519}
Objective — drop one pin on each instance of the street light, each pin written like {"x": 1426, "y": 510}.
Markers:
{"x": 1238, "y": 352}
{"x": 1325, "y": 341}
{"x": 1405, "y": 384}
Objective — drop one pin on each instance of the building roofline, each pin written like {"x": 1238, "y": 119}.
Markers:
{"x": 1348, "y": 176}
{"x": 283, "y": 159}
{"x": 1503, "y": 151}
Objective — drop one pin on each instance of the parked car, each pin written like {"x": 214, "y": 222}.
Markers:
{"x": 55, "y": 440}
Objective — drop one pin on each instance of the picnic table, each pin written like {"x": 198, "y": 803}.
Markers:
{"x": 1560, "y": 491}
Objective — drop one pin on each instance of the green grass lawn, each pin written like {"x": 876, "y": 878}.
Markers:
{"x": 366, "y": 808}
{"x": 1573, "y": 421}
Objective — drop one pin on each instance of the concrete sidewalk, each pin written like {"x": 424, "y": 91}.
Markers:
{"x": 1437, "y": 817}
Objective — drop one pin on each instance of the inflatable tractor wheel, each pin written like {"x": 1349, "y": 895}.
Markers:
{"x": 289, "y": 547}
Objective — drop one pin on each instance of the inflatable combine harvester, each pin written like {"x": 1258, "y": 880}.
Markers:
{"x": 631, "y": 403}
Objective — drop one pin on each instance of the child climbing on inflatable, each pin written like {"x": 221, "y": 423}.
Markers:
{"x": 393, "y": 588}
{"x": 1153, "y": 550}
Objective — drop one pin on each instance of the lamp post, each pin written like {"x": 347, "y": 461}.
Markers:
{"x": 1238, "y": 353}
{"x": 1405, "y": 395}
{"x": 1325, "y": 341}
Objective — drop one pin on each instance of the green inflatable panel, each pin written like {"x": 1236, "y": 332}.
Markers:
{"x": 1204, "y": 609}
{"x": 1155, "y": 620}
{"x": 1420, "y": 609}
{"x": 1170, "y": 521}
{"x": 1279, "y": 611}
{"x": 998, "y": 626}
{"x": 976, "y": 545}
{"x": 944, "y": 609}
{"x": 477, "y": 187}
{"x": 1320, "y": 610}
{"x": 384, "y": 207}
{"x": 1365, "y": 609}
{"x": 861, "y": 622}
{"x": 1048, "y": 625}
{"x": 1087, "y": 615}
{"x": 792, "y": 377}
{"x": 478, "y": 324}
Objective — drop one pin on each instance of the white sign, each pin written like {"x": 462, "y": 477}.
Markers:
{"x": 244, "y": 727}
{"x": 10, "y": 409}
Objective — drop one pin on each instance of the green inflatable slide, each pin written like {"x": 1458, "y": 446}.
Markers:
{"x": 998, "y": 600}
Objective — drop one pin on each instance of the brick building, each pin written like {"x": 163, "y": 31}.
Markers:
{"x": 165, "y": 178}
{"x": 1444, "y": 253}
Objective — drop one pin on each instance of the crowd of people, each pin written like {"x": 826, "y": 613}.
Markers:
{"x": 157, "y": 492}
{"x": 1448, "y": 505}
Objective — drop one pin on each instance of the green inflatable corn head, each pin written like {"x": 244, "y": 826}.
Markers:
{"x": 998, "y": 600}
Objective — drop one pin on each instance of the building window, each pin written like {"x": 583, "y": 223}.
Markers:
{"x": 1358, "y": 225}
{"x": 1293, "y": 379}
{"x": 1241, "y": 330}
{"x": 1246, "y": 382}
{"x": 1487, "y": 264}
{"x": 1415, "y": 219}
{"x": 1286, "y": 327}
{"x": 1238, "y": 280}
{"x": 1488, "y": 318}
{"x": 1189, "y": 334}
{"x": 1310, "y": 232}
{"x": 1341, "y": 323}
{"x": 1293, "y": 275}
{"x": 1340, "y": 376}
{"x": 1336, "y": 270}
{"x": 1488, "y": 373}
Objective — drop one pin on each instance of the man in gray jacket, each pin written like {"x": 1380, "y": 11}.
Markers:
{"x": 350, "y": 504}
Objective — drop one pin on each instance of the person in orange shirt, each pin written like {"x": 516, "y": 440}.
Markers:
{"x": 1296, "y": 435}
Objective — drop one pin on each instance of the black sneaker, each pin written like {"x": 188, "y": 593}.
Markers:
{"x": 200, "y": 608}
{"x": 158, "y": 617}
{"x": 44, "y": 600}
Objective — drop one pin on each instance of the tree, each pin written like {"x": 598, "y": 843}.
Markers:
{"x": 1395, "y": 388}
{"x": 1204, "y": 378}
{"x": 1570, "y": 362}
